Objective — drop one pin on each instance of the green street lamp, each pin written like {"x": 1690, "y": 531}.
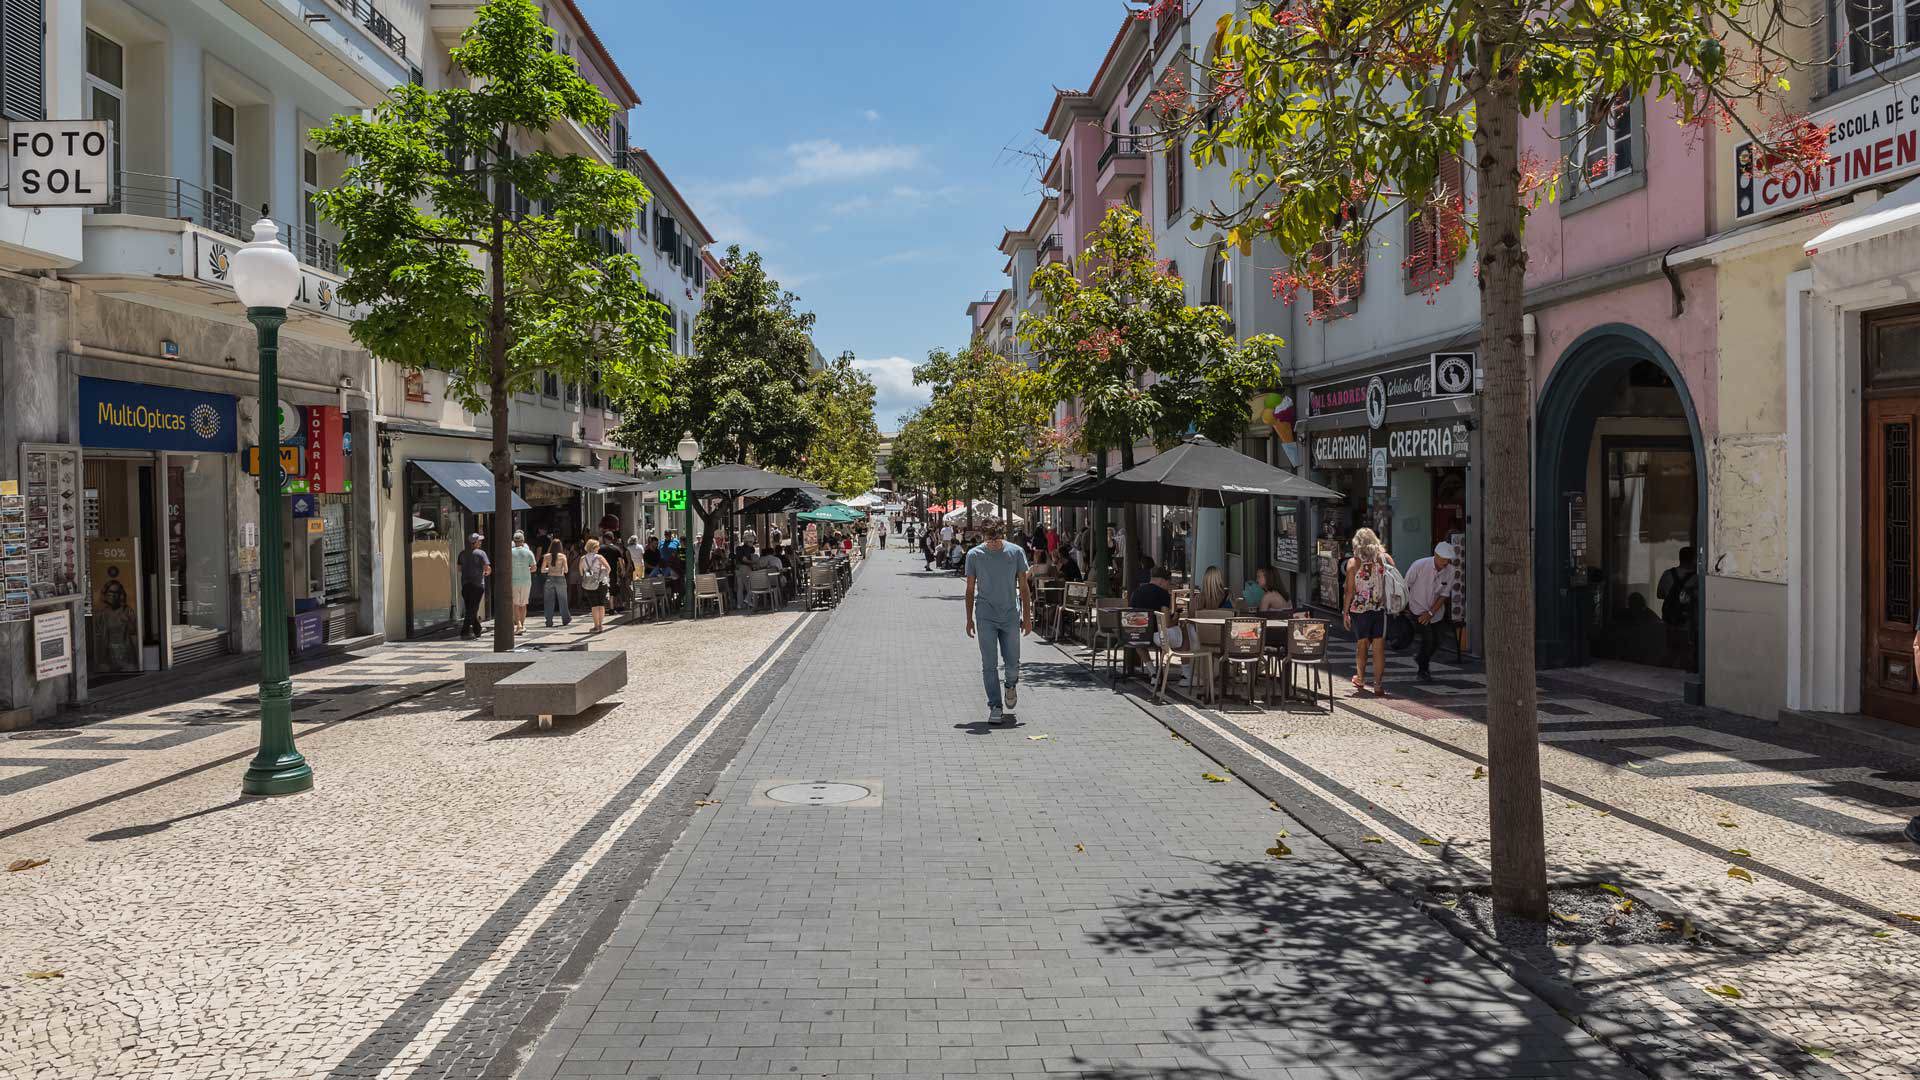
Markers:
{"x": 689, "y": 451}
{"x": 267, "y": 278}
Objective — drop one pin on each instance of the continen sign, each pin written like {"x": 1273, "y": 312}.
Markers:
{"x": 60, "y": 163}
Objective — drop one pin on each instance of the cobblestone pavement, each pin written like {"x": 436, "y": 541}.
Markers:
{"x": 405, "y": 917}
{"x": 1069, "y": 896}
{"x": 1823, "y": 941}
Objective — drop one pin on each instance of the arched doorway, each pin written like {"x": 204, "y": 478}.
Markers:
{"x": 1620, "y": 502}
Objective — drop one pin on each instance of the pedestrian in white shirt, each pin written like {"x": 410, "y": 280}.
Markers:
{"x": 1429, "y": 591}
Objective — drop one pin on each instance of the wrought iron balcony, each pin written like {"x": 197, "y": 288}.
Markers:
{"x": 628, "y": 160}
{"x": 152, "y": 195}
{"x": 1122, "y": 146}
{"x": 376, "y": 23}
{"x": 1049, "y": 247}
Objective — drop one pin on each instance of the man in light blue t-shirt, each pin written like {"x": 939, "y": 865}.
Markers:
{"x": 1000, "y": 603}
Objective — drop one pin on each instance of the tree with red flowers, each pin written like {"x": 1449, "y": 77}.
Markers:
{"x": 1334, "y": 114}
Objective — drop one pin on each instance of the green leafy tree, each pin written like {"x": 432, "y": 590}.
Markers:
{"x": 1120, "y": 315}
{"x": 1332, "y": 114}
{"x": 744, "y": 393}
{"x": 991, "y": 415}
{"x": 441, "y": 241}
{"x": 840, "y": 455}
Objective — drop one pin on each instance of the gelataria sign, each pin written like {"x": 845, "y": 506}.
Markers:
{"x": 1874, "y": 138}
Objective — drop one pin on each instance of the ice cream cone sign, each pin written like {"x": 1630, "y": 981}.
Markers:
{"x": 1276, "y": 411}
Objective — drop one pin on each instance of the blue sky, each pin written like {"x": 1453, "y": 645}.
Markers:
{"x": 864, "y": 149}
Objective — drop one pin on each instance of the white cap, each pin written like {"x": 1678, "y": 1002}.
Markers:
{"x": 1445, "y": 550}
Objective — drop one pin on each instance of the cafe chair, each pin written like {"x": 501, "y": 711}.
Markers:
{"x": 1077, "y": 601}
{"x": 641, "y": 603}
{"x": 1307, "y": 648}
{"x": 1244, "y": 650}
{"x": 760, "y": 586}
{"x": 1276, "y": 670}
{"x": 706, "y": 590}
{"x": 1106, "y": 631}
{"x": 823, "y": 586}
{"x": 1209, "y": 636}
{"x": 663, "y": 597}
{"x": 1188, "y": 655}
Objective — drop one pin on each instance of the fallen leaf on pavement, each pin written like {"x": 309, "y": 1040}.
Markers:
{"x": 1451, "y": 902}
{"x": 1883, "y": 933}
{"x": 1479, "y": 772}
{"x": 1635, "y": 765}
{"x": 1212, "y": 779}
{"x": 1274, "y": 806}
{"x": 1741, "y": 873}
{"x": 1279, "y": 850}
{"x": 706, "y": 802}
{"x": 1667, "y": 926}
{"x": 1373, "y": 840}
{"x": 46, "y": 974}
{"x": 1727, "y": 990}
{"x": 1726, "y": 824}
{"x": 1037, "y": 738}
{"x": 1904, "y": 915}
{"x": 1566, "y": 916}
{"x": 1614, "y": 889}
{"x": 1399, "y": 750}
{"x": 1428, "y": 841}
{"x": 1283, "y": 834}
{"x": 1081, "y": 848}
{"x": 1606, "y": 813}
{"x": 1740, "y": 851}
{"x": 1818, "y": 1051}
{"x": 18, "y": 865}
{"x": 1624, "y": 907}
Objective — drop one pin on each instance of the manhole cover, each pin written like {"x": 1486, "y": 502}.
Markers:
{"x": 55, "y": 733}
{"x": 818, "y": 793}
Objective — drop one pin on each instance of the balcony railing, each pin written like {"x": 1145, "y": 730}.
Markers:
{"x": 376, "y": 23}
{"x": 1121, "y": 146}
{"x": 153, "y": 195}
{"x": 1049, "y": 246}
{"x": 628, "y": 160}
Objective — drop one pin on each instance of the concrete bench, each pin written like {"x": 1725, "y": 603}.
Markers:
{"x": 546, "y": 685}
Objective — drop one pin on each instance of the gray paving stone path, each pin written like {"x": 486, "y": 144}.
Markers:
{"x": 1071, "y": 896}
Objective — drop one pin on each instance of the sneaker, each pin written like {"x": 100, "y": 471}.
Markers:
{"x": 1012, "y": 696}
{"x": 994, "y": 715}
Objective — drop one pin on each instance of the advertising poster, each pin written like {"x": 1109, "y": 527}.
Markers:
{"x": 16, "y": 597}
{"x": 53, "y": 644}
{"x": 53, "y": 520}
{"x": 113, "y": 567}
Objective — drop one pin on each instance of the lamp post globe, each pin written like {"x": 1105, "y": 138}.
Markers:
{"x": 266, "y": 277}
{"x": 689, "y": 452}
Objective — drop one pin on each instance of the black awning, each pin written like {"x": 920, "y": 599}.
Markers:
{"x": 470, "y": 482}
{"x": 586, "y": 479}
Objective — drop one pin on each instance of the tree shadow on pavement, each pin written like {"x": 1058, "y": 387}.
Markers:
{"x": 1308, "y": 964}
{"x": 128, "y": 832}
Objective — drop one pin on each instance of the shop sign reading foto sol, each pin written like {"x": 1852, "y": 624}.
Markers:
{"x": 60, "y": 163}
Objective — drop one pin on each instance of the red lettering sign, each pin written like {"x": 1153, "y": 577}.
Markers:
{"x": 326, "y": 456}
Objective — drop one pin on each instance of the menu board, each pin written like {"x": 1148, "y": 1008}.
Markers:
{"x": 1327, "y": 581}
{"x": 16, "y": 600}
{"x": 52, "y": 482}
{"x": 1286, "y": 534}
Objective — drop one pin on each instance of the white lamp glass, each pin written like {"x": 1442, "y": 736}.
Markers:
{"x": 265, "y": 273}
{"x": 689, "y": 449}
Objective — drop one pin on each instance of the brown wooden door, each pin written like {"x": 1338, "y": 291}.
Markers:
{"x": 1887, "y": 688}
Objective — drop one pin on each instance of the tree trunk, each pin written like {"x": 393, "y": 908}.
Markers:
{"x": 1513, "y": 747}
{"x": 1128, "y": 523}
{"x": 1097, "y": 531}
{"x": 502, "y": 539}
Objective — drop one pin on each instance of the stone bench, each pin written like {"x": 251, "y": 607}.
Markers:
{"x": 546, "y": 685}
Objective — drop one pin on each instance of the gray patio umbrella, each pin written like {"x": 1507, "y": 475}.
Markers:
{"x": 1067, "y": 492}
{"x": 1203, "y": 473}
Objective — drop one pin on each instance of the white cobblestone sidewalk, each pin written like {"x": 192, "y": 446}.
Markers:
{"x": 352, "y": 930}
{"x": 1667, "y": 797}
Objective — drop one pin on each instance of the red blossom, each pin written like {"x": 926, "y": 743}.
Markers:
{"x": 1162, "y": 9}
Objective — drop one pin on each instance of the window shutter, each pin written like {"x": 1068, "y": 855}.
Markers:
{"x": 1320, "y": 254}
{"x": 23, "y": 59}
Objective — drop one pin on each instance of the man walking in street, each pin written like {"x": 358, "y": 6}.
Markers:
{"x": 999, "y": 610}
{"x": 475, "y": 568}
{"x": 1429, "y": 590}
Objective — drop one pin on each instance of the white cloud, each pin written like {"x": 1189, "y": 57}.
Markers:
{"x": 823, "y": 161}
{"x": 899, "y": 197}
{"x": 873, "y": 116}
{"x": 894, "y": 391}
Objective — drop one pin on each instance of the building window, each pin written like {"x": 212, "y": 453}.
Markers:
{"x": 1431, "y": 230}
{"x": 549, "y": 384}
{"x": 223, "y": 212}
{"x": 1877, "y": 31}
{"x": 106, "y": 90}
{"x": 1176, "y": 163}
{"x": 1606, "y": 148}
{"x": 23, "y": 44}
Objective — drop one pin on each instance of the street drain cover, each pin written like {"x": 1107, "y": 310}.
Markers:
{"x": 818, "y": 793}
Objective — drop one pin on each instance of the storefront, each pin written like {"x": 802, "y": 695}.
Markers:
{"x": 1399, "y": 444}
{"x": 446, "y": 502}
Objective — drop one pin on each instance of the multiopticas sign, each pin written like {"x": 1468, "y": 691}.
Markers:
{"x": 1872, "y": 138}
{"x": 139, "y": 416}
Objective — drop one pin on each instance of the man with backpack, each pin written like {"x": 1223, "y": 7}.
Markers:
{"x": 1678, "y": 591}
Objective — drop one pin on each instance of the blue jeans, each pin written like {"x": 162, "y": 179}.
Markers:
{"x": 999, "y": 646}
{"x": 554, "y": 599}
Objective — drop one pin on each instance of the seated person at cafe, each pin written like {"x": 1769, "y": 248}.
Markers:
{"x": 1264, "y": 593}
{"x": 1154, "y": 593}
{"x": 1070, "y": 566}
{"x": 1041, "y": 569}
